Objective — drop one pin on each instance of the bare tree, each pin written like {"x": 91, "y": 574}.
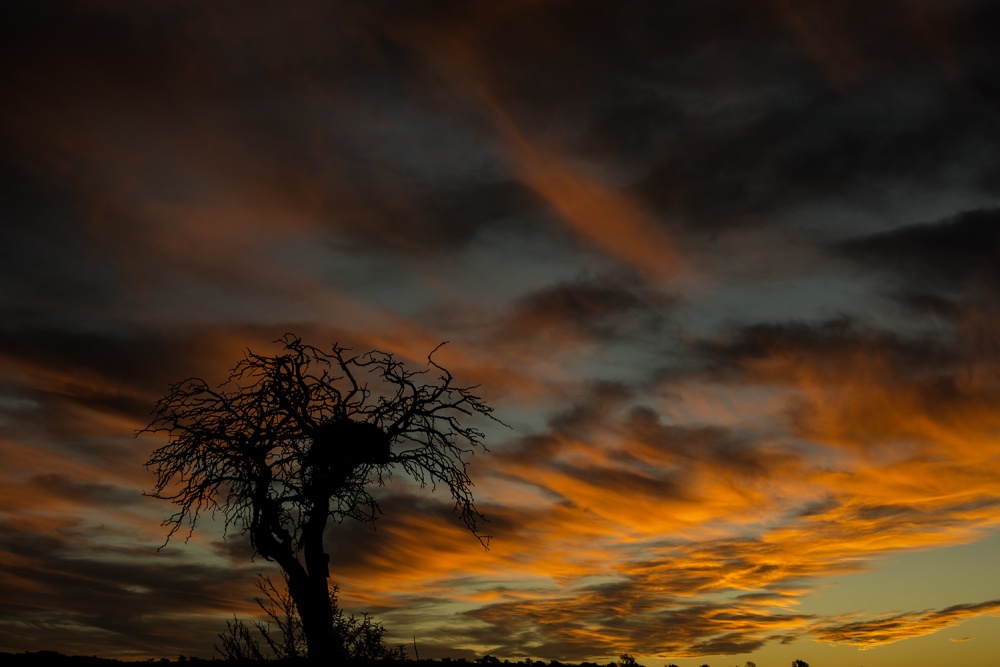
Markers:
{"x": 293, "y": 440}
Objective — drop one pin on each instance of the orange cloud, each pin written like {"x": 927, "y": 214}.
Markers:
{"x": 637, "y": 519}
{"x": 597, "y": 212}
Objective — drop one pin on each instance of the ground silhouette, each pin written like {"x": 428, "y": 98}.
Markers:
{"x": 45, "y": 658}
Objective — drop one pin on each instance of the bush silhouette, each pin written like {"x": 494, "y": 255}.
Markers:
{"x": 358, "y": 638}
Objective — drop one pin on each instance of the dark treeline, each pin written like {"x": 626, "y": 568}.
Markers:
{"x": 53, "y": 659}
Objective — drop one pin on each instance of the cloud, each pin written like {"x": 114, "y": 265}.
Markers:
{"x": 610, "y": 620}
{"x": 866, "y": 387}
{"x": 461, "y": 55}
{"x": 70, "y": 587}
{"x": 69, "y": 375}
{"x": 589, "y": 310}
{"x": 870, "y": 455}
{"x": 610, "y": 505}
{"x": 739, "y": 127}
{"x": 953, "y": 254}
{"x": 868, "y": 634}
{"x": 83, "y": 492}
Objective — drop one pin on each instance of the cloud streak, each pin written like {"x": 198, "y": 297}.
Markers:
{"x": 877, "y": 632}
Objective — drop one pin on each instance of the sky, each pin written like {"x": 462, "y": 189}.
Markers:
{"x": 728, "y": 270}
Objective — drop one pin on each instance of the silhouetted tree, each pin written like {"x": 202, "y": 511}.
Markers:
{"x": 800, "y": 663}
{"x": 628, "y": 660}
{"x": 279, "y": 607}
{"x": 293, "y": 440}
{"x": 239, "y": 643}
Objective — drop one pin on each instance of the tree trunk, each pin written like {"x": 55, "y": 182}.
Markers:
{"x": 316, "y": 612}
{"x": 310, "y": 592}
{"x": 315, "y": 608}
{"x": 307, "y": 584}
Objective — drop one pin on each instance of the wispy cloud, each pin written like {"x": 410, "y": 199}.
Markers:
{"x": 868, "y": 634}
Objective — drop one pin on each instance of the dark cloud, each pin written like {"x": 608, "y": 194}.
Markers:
{"x": 123, "y": 357}
{"x": 121, "y": 373}
{"x": 566, "y": 627}
{"x": 724, "y": 112}
{"x": 716, "y": 112}
{"x": 722, "y": 449}
{"x": 729, "y": 644}
{"x": 49, "y": 262}
{"x": 953, "y": 255}
{"x": 596, "y": 403}
{"x": 234, "y": 547}
{"x": 590, "y": 309}
{"x": 83, "y": 492}
{"x": 827, "y": 344}
{"x": 432, "y": 222}
{"x": 886, "y": 630}
{"x": 942, "y": 275}
{"x": 335, "y": 122}
{"x": 68, "y": 589}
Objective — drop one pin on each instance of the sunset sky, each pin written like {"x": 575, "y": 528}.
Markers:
{"x": 729, "y": 270}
